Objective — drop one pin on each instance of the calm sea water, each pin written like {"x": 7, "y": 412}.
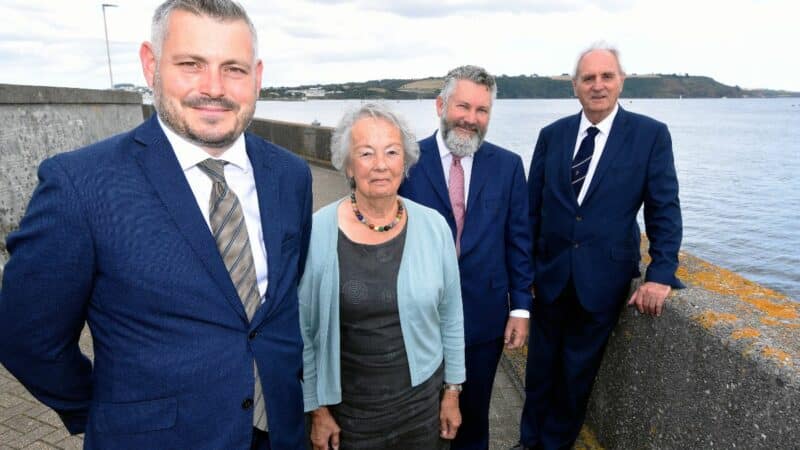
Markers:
{"x": 737, "y": 159}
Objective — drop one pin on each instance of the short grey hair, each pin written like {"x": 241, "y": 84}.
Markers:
{"x": 222, "y": 10}
{"x": 598, "y": 46}
{"x": 476, "y": 74}
{"x": 342, "y": 139}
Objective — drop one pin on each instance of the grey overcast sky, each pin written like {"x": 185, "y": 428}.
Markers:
{"x": 750, "y": 43}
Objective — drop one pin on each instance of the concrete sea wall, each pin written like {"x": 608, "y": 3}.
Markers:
{"x": 719, "y": 369}
{"x": 38, "y": 122}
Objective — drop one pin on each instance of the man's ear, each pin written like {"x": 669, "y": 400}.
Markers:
{"x": 149, "y": 62}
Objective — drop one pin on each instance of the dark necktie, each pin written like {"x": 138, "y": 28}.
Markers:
{"x": 580, "y": 164}
{"x": 230, "y": 231}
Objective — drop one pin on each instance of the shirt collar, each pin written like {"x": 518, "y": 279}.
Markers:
{"x": 604, "y": 125}
{"x": 190, "y": 154}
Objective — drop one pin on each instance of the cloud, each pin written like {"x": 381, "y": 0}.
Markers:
{"x": 446, "y": 8}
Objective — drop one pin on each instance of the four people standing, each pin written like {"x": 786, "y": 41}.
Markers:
{"x": 480, "y": 190}
{"x": 410, "y": 290}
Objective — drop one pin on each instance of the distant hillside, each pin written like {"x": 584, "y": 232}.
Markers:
{"x": 526, "y": 86}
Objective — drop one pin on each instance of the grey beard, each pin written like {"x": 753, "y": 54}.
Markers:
{"x": 458, "y": 145}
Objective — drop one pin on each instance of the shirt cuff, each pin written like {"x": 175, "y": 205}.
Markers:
{"x": 521, "y": 313}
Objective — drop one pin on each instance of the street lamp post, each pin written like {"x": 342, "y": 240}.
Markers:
{"x": 108, "y": 50}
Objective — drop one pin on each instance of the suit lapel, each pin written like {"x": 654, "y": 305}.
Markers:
{"x": 162, "y": 169}
{"x": 432, "y": 167}
{"x": 267, "y": 180}
{"x": 481, "y": 171}
{"x": 565, "y": 169}
{"x": 616, "y": 137}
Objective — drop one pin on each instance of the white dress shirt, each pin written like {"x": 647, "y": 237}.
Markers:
{"x": 466, "y": 164}
{"x": 599, "y": 145}
{"x": 239, "y": 176}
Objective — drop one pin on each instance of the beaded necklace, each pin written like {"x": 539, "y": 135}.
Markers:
{"x": 379, "y": 229}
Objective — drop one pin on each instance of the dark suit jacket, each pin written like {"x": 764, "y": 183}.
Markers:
{"x": 113, "y": 237}
{"x": 495, "y": 259}
{"x": 597, "y": 243}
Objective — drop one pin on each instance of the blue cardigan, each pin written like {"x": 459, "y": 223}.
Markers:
{"x": 428, "y": 300}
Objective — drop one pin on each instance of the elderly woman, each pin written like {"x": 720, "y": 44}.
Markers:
{"x": 380, "y": 302}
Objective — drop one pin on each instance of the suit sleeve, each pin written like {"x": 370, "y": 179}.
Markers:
{"x": 662, "y": 213}
{"x": 535, "y": 186}
{"x": 518, "y": 241}
{"x": 46, "y": 289}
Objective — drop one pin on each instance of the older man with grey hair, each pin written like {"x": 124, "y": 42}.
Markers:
{"x": 479, "y": 188}
{"x": 180, "y": 244}
{"x": 590, "y": 174}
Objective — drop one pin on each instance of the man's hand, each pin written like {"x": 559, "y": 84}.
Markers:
{"x": 324, "y": 430}
{"x": 449, "y": 415}
{"x": 649, "y": 298}
{"x": 516, "y": 332}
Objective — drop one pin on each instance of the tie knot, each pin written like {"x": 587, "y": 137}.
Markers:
{"x": 214, "y": 168}
{"x": 456, "y": 159}
{"x": 592, "y": 131}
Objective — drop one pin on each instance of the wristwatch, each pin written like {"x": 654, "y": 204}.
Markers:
{"x": 453, "y": 387}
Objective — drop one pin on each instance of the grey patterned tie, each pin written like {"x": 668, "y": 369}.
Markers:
{"x": 230, "y": 232}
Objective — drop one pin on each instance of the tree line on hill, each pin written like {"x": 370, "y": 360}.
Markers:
{"x": 525, "y": 86}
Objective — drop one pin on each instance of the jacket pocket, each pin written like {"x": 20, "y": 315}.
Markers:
{"x": 136, "y": 417}
{"x": 624, "y": 254}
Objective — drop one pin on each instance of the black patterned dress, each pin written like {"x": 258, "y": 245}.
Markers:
{"x": 380, "y": 409}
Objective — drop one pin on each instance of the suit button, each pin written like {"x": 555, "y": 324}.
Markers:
{"x": 577, "y": 245}
{"x": 579, "y": 218}
{"x": 247, "y": 403}
{"x": 252, "y": 335}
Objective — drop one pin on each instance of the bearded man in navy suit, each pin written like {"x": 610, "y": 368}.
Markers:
{"x": 590, "y": 175}
{"x": 479, "y": 188}
{"x": 180, "y": 243}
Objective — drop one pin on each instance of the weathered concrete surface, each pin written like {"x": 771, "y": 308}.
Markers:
{"x": 719, "y": 369}
{"x": 39, "y": 122}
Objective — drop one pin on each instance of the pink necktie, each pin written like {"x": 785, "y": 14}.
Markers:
{"x": 456, "y": 190}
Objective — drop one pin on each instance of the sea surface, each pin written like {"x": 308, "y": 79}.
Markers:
{"x": 738, "y": 163}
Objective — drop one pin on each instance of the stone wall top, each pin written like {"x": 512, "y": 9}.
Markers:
{"x": 26, "y": 95}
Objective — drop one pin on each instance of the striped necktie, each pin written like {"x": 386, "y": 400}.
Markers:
{"x": 580, "y": 164}
{"x": 230, "y": 231}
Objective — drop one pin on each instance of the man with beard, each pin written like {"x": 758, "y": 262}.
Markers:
{"x": 480, "y": 189}
{"x": 180, "y": 243}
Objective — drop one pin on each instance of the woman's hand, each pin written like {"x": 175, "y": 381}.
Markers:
{"x": 449, "y": 415}
{"x": 324, "y": 430}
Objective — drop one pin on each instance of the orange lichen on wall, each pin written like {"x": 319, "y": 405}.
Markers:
{"x": 745, "y": 333}
{"x": 587, "y": 440}
{"x": 778, "y": 323}
{"x": 710, "y": 318}
{"x": 776, "y": 354}
{"x": 724, "y": 282}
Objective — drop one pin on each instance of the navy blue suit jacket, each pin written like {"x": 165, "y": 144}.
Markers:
{"x": 113, "y": 237}
{"x": 495, "y": 262}
{"x": 597, "y": 243}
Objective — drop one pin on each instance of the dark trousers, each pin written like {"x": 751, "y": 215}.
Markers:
{"x": 481, "y": 363}
{"x": 260, "y": 440}
{"x": 565, "y": 349}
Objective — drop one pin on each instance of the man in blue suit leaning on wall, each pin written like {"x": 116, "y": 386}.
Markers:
{"x": 180, "y": 243}
{"x": 480, "y": 190}
{"x": 590, "y": 175}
